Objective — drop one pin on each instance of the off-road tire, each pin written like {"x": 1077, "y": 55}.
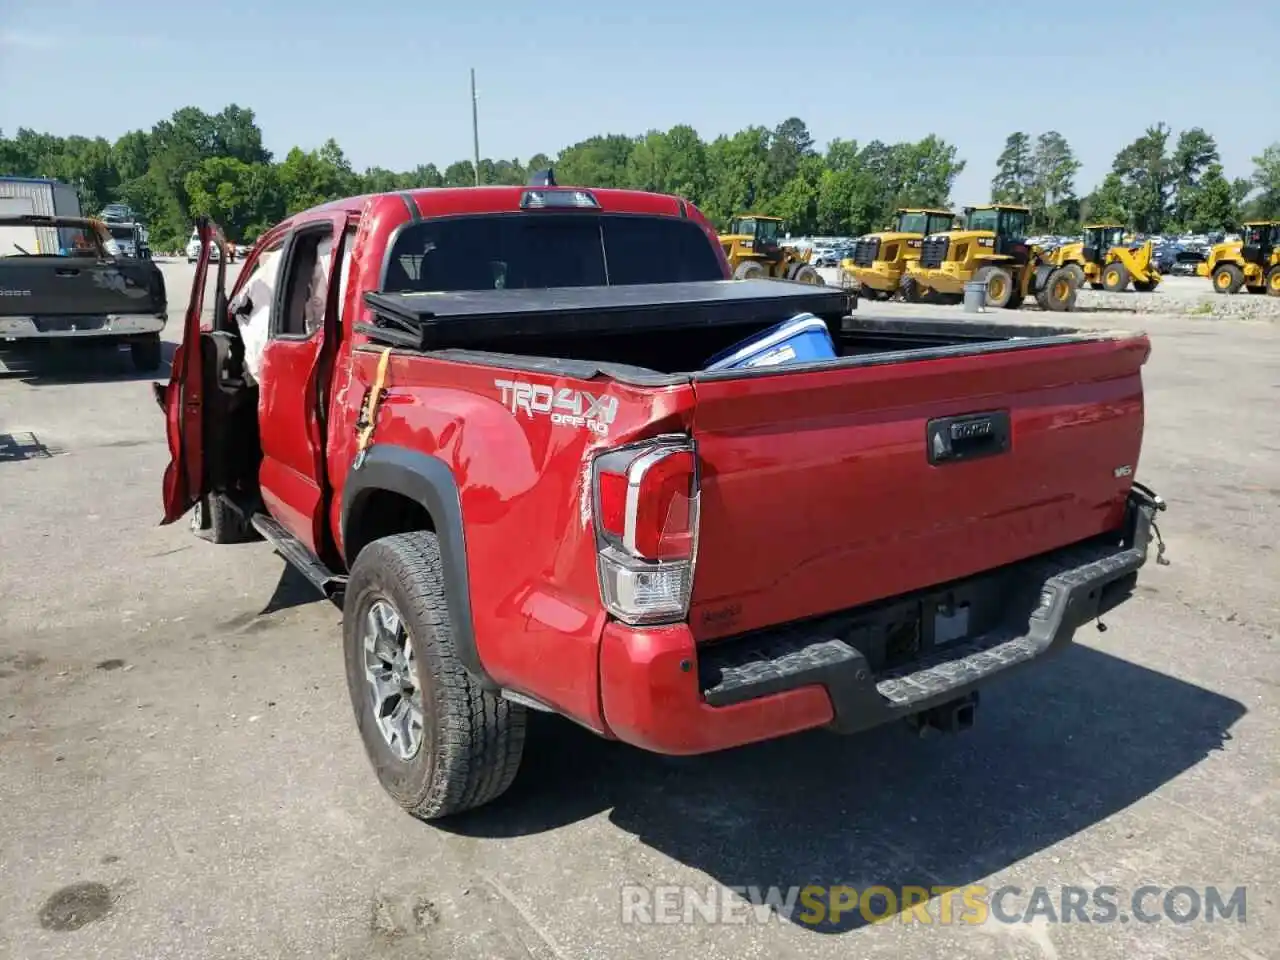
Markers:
{"x": 1058, "y": 294}
{"x": 1115, "y": 277}
{"x": 805, "y": 273}
{"x": 215, "y": 520}
{"x": 1003, "y": 280}
{"x": 472, "y": 739}
{"x": 750, "y": 270}
{"x": 1077, "y": 274}
{"x": 1227, "y": 278}
{"x": 1273, "y": 281}
{"x": 146, "y": 355}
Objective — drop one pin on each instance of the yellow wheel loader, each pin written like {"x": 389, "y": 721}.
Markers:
{"x": 1252, "y": 262}
{"x": 879, "y": 261}
{"x": 753, "y": 247}
{"x": 1106, "y": 261}
{"x": 992, "y": 247}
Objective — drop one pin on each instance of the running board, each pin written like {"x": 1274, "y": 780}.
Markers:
{"x": 330, "y": 584}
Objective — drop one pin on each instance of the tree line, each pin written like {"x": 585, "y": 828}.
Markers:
{"x": 197, "y": 163}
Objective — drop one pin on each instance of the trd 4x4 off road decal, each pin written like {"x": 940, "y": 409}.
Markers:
{"x": 570, "y": 408}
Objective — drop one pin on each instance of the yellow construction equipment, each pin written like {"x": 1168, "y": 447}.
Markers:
{"x": 1107, "y": 261}
{"x": 1252, "y": 262}
{"x": 879, "y": 261}
{"x": 753, "y": 247}
{"x": 992, "y": 247}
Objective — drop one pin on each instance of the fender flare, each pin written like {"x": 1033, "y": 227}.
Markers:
{"x": 429, "y": 482}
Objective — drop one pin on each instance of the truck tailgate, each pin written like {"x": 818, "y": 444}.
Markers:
{"x": 54, "y": 286}
{"x": 830, "y": 488}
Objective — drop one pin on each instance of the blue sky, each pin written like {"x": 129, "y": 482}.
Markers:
{"x": 389, "y": 80}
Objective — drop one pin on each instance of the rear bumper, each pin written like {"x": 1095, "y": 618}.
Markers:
{"x": 61, "y": 328}
{"x": 660, "y": 692}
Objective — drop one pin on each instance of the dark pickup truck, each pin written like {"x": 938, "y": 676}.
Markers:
{"x": 490, "y": 423}
{"x": 76, "y": 289}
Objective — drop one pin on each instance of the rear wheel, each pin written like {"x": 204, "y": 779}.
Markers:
{"x": 1115, "y": 277}
{"x": 910, "y": 290}
{"x": 1058, "y": 293}
{"x": 750, "y": 270}
{"x": 804, "y": 273}
{"x": 439, "y": 743}
{"x": 999, "y": 283}
{"x": 1077, "y": 273}
{"x": 1227, "y": 278}
{"x": 1273, "y": 281}
{"x": 146, "y": 353}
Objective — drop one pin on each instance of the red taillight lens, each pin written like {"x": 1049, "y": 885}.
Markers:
{"x": 611, "y": 506}
{"x": 662, "y": 519}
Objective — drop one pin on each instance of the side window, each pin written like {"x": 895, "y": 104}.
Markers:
{"x": 251, "y": 306}
{"x": 306, "y": 286}
{"x": 344, "y": 267}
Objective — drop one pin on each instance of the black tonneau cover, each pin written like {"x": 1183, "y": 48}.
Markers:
{"x": 465, "y": 318}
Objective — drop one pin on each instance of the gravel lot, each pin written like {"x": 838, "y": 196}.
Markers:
{"x": 180, "y": 775}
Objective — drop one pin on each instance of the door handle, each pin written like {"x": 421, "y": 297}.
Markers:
{"x": 66, "y": 272}
{"x": 967, "y": 437}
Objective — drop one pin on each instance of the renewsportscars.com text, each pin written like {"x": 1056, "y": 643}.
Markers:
{"x": 972, "y": 905}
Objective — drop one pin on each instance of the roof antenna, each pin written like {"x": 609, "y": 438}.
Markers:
{"x": 543, "y": 178}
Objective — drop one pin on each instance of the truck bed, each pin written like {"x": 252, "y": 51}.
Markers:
{"x": 926, "y": 452}
{"x": 659, "y": 334}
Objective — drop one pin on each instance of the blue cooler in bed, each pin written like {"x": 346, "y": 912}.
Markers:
{"x": 802, "y": 339}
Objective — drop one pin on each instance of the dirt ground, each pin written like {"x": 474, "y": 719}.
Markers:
{"x": 180, "y": 775}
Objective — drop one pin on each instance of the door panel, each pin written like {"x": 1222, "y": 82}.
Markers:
{"x": 182, "y": 399}
{"x": 291, "y": 477}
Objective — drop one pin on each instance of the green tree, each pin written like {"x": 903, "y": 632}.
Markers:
{"x": 1211, "y": 204}
{"x": 736, "y": 168}
{"x": 789, "y": 145}
{"x": 244, "y": 198}
{"x": 1052, "y": 195}
{"x": 1108, "y": 203}
{"x": 309, "y": 178}
{"x": 926, "y": 171}
{"x": 1149, "y": 176}
{"x": 1266, "y": 177}
{"x": 460, "y": 173}
{"x": 596, "y": 162}
{"x": 671, "y": 162}
{"x": 1192, "y": 156}
{"x": 1015, "y": 173}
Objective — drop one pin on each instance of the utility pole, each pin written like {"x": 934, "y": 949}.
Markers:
{"x": 475, "y": 124}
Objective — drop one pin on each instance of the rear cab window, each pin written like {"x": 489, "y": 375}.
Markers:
{"x": 540, "y": 250}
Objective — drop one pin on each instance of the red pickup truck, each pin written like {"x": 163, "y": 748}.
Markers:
{"x": 482, "y": 421}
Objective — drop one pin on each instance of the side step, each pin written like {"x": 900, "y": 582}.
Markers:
{"x": 330, "y": 584}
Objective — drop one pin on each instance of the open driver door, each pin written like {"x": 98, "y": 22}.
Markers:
{"x": 183, "y": 398}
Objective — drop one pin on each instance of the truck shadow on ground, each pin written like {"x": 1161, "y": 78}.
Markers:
{"x": 82, "y": 365}
{"x": 1054, "y": 751}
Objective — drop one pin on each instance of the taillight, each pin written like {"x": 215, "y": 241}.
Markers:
{"x": 645, "y": 507}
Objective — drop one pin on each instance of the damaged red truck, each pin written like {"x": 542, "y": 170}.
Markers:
{"x": 480, "y": 419}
